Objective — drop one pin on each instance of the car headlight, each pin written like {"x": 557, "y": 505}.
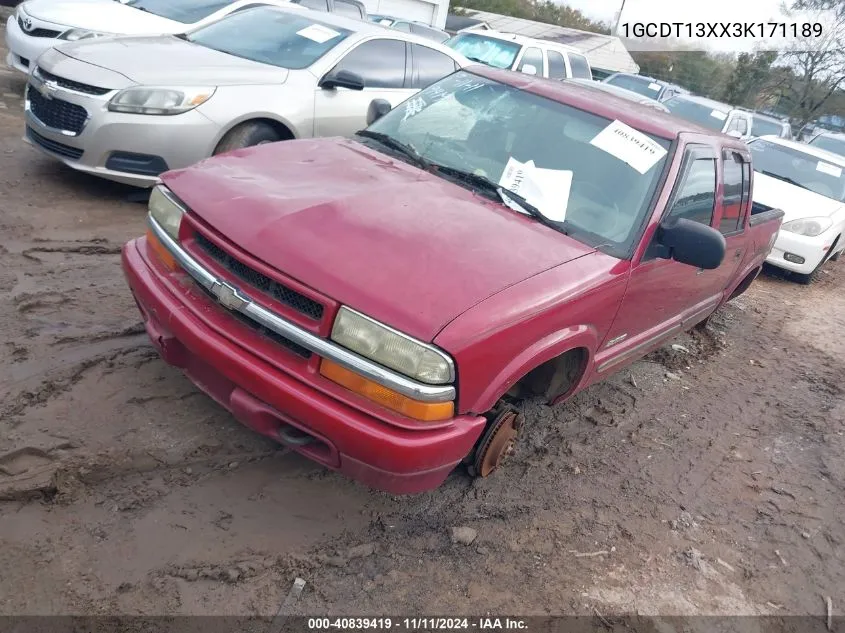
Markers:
{"x": 808, "y": 226}
{"x": 166, "y": 211}
{"x": 73, "y": 35}
{"x": 161, "y": 101}
{"x": 390, "y": 348}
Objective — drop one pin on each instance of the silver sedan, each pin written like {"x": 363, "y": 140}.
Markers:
{"x": 130, "y": 108}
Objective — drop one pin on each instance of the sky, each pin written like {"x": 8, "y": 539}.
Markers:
{"x": 687, "y": 11}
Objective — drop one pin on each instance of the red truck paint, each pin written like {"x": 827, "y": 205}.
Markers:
{"x": 495, "y": 289}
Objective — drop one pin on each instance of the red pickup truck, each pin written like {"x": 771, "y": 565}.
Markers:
{"x": 381, "y": 304}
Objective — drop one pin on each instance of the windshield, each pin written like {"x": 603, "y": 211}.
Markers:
{"x": 640, "y": 85}
{"x": 476, "y": 125}
{"x": 807, "y": 171}
{"x": 696, "y": 112}
{"x": 487, "y": 50}
{"x": 271, "y": 36}
{"x": 184, "y": 11}
{"x": 830, "y": 143}
{"x": 764, "y": 127}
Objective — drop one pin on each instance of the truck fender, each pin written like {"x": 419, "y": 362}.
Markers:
{"x": 547, "y": 348}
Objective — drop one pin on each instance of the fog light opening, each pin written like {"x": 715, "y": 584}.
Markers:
{"x": 795, "y": 259}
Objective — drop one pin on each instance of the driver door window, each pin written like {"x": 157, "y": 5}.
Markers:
{"x": 532, "y": 57}
{"x": 738, "y": 124}
{"x": 697, "y": 197}
{"x": 381, "y": 64}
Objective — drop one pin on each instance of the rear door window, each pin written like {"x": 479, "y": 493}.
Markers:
{"x": 557, "y": 65}
{"x": 580, "y": 67}
{"x": 734, "y": 193}
{"x": 431, "y": 66}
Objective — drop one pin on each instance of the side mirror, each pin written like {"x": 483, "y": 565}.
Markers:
{"x": 342, "y": 79}
{"x": 377, "y": 109}
{"x": 692, "y": 243}
{"x": 529, "y": 69}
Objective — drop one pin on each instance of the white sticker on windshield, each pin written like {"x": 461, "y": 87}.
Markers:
{"x": 653, "y": 86}
{"x": 546, "y": 189}
{"x": 318, "y": 33}
{"x": 413, "y": 106}
{"x": 629, "y": 146}
{"x": 718, "y": 114}
{"x": 386, "y": 22}
{"x": 830, "y": 170}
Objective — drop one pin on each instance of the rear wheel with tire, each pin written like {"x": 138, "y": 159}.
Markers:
{"x": 247, "y": 135}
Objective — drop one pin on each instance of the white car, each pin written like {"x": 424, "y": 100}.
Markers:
{"x": 808, "y": 184}
{"x": 38, "y": 25}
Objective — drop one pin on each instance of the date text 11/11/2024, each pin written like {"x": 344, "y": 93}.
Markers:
{"x": 417, "y": 624}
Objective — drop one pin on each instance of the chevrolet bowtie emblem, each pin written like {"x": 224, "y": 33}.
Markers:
{"x": 47, "y": 89}
{"x": 228, "y": 296}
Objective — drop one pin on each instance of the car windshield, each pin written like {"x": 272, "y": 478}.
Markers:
{"x": 805, "y": 170}
{"x": 271, "y": 36}
{"x": 764, "y": 127}
{"x": 704, "y": 115}
{"x": 480, "y": 127}
{"x": 184, "y": 11}
{"x": 486, "y": 50}
{"x": 830, "y": 143}
{"x": 640, "y": 85}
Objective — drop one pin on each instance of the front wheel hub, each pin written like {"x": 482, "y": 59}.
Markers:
{"x": 498, "y": 441}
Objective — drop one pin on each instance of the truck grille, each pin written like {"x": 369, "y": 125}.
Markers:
{"x": 56, "y": 113}
{"x": 288, "y": 344}
{"x": 287, "y": 296}
{"x": 38, "y": 32}
{"x": 69, "y": 84}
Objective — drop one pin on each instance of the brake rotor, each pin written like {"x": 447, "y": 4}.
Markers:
{"x": 498, "y": 442}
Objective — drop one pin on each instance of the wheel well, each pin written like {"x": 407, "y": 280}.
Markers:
{"x": 745, "y": 284}
{"x": 554, "y": 378}
{"x": 281, "y": 129}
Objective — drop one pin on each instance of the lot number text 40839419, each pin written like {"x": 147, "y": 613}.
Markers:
{"x": 418, "y": 624}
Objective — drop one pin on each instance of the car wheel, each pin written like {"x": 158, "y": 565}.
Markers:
{"x": 247, "y": 135}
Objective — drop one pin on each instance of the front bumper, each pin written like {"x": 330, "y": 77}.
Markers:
{"x": 25, "y": 49}
{"x": 270, "y": 401}
{"x": 810, "y": 249}
{"x": 107, "y": 139}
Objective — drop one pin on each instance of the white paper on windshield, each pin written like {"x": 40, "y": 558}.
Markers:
{"x": 830, "y": 170}
{"x": 546, "y": 189}
{"x": 629, "y": 146}
{"x": 318, "y": 33}
{"x": 386, "y": 22}
{"x": 718, "y": 114}
{"x": 653, "y": 86}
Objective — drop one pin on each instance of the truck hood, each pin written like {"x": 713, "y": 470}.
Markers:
{"x": 795, "y": 202}
{"x": 402, "y": 245}
{"x": 168, "y": 60}
{"x": 104, "y": 16}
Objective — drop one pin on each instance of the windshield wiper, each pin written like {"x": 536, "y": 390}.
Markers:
{"x": 785, "y": 179}
{"x": 504, "y": 195}
{"x": 476, "y": 59}
{"x": 392, "y": 143}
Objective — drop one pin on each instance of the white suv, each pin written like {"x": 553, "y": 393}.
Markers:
{"x": 524, "y": 54}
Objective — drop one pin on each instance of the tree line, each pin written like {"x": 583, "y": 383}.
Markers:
{"x": 802, "y": 84}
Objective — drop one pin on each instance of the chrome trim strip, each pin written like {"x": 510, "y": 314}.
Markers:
{"x": 636, "y": 349}
{"x": 315, "y": 344}
{"x": 427, "y": 346}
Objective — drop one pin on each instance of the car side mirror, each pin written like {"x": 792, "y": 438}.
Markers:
{"x": 692, "y": 243}
{"x": 342, "y": 79}
{"x": 529, "y": 69}
{"x": 377, "y": 109}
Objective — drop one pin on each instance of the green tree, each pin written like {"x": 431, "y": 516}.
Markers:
{"x": 750, "y": 76}
{"x": 539, "y": 10}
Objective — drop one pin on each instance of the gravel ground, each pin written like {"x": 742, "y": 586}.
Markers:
{"x": 706, "y": 479}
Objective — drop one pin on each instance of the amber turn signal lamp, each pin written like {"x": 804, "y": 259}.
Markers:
{"x": 158, "y": 248}
{"x": 425, "y": 411}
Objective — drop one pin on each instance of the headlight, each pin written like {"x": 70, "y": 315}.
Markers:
{"x": 808, "y": 226}
{"x": 166, "y": 211}
{"x": 143, "y": 100}
{"x": 72, "y": 35}
{"x": 390, "y": 348}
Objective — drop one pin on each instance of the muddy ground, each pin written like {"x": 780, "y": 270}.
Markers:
{"x": 706, "y": 479}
